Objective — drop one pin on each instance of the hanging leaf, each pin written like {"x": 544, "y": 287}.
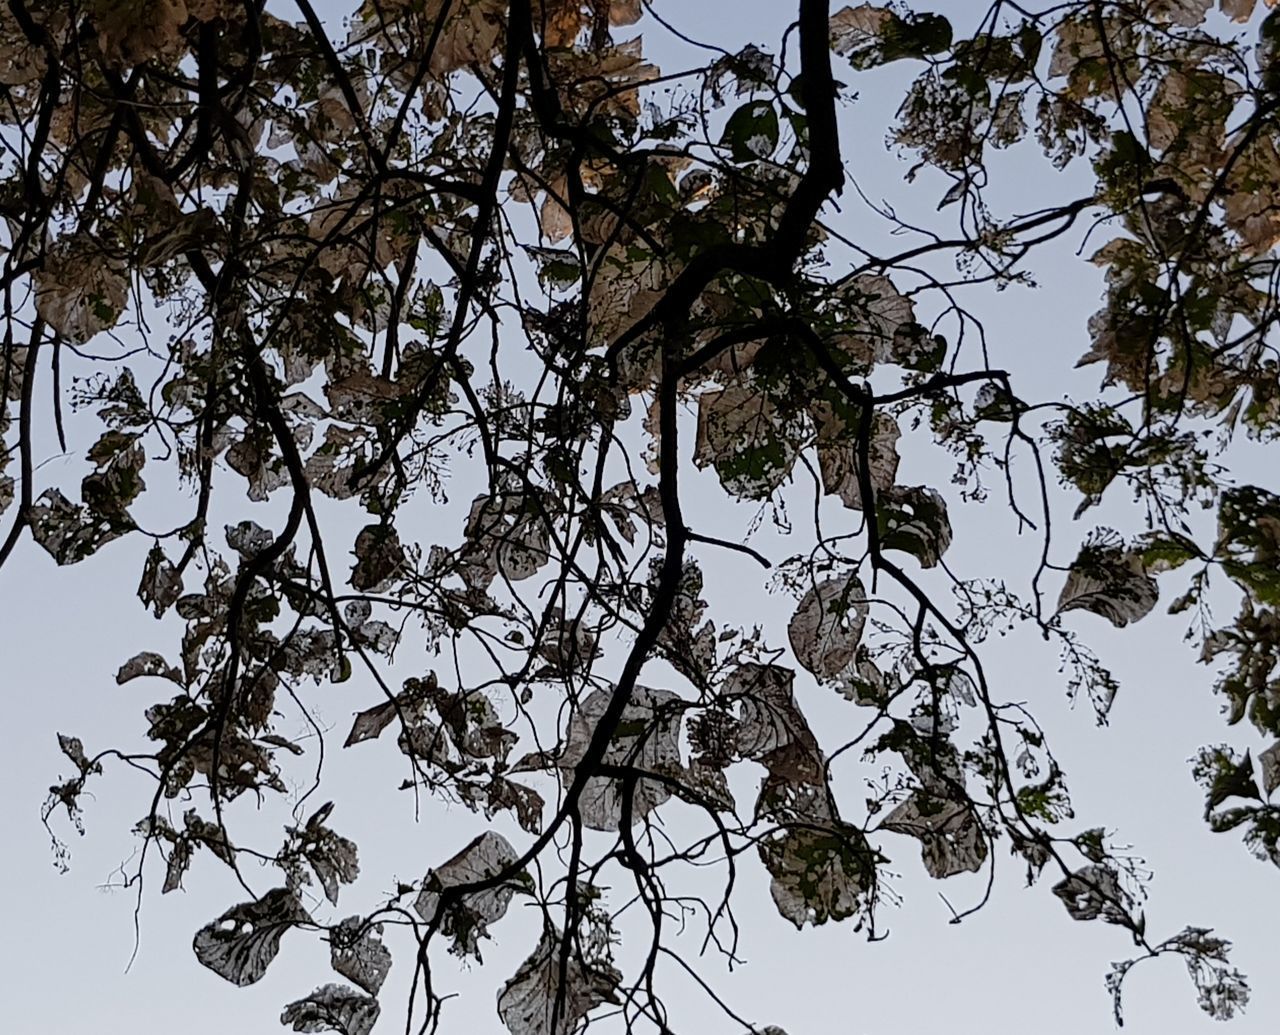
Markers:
{"x": 827, "y": 626}
{"x": 1269, "y": 763}
{"x": 357, "y": 953}
{"x": 822, "y": 868}
{"x": 750, "y": 444}
{"x": 1094, "y": 892}
{"x": 1108, "y": 580}
{"x": 529, "y": 1001}
{"x": 647, "y": 739}
{"x": 332, "y": 858}
{"x": 243, "y": 941}
{"x": 951, "y": 838}
{"x": 333, "y": 1007}
{"x": 80, "y": 292}
{"x": 771, "y": 729}
{"x": 466, "y": 920}
{"x": 914, "y": 520}
{"x": 839, "y": 456}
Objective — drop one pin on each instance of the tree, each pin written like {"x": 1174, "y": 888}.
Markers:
{"x": 489, "y": 243}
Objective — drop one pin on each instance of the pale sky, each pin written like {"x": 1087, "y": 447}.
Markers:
{"x": 1021, "y": 964}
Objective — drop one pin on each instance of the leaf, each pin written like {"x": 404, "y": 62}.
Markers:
{"x": 952, "y": 840}
{"x": 1108, "y": 580}
{"x": 1249, "y": 540}
{"x": 148, "y": 663}
{"x": 528, "y": 1001}
{"x": 80, "y": 292}
{"x": 73, "y": 748}
{"x": 1269, "y": 762}
{"x": 855, "y": 31}
{"x": 333, "y": 858}
{"x": 1094, "y": 892}
{"x": 466, "y": 919}
{"x": 827, "y": 626}
{"x": 914, "y": 520}
{"x": 371, "y": 722}
{"x": 647, "y": 738}
{"x": 743, "y": 435}
{"x": 357, "y": 953}
{"x": 1238, "y": 10}
{"x": 69, "y": 533}
{"x": 822, "y": 868}
{"x": 771, "y": 729}
{"x": 333, "y": 1008}
{"x": 176, "y": 867}
{"x": 839, "y": 460}
{"x": 242, "y": 942}
{"x": 161, "y": 584}
{"x": 751, "y": 132}
{"x": 869, "y": 36}
{"x": 379, "y": 557}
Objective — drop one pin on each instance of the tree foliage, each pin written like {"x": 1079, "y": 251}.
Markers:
{"x": 309, "y": 274}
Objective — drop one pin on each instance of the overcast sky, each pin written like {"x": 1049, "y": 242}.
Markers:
{"x": 1021, "y": 964}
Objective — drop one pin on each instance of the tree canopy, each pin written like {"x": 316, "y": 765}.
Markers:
{"x": 301, "y": 278}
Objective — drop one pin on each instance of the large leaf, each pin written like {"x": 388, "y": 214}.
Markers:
{"x": 771, "y": 728}
{"x": 827, "y": 626}
{"x": 751, "y": 132}
{"x": 80, "y": 292}
{"x": 535, "y": 1000}
{"x": 242, "y": 942}
{"x": 951, "y": 838}
{"x": 466, "y": 920}
{"x": 357, "y": 953}
{"x": 1109, "y": 580}
{"x": 822, "y": 867}
{"x": 333, "y": 1008}
{"x": 914, "y": 520}
{"x": 749, "y": 442}
{"x": 647, "y": 739}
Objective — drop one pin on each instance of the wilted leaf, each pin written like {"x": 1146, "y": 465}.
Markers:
{"x": 70, "y": 533}
{"x": 952, "y": 840}
{"x": 333, "y": 858}
{"x": 751, "y": 132}
{"x": 822, "y": 867}
{"x": 647, "y": 738}
{"x": 1110, "y": 581}
{"x": 80, "y": 291}
{"x": 827, "y": 626}
{"x": 771, "y": 729}
{"x": 528, "y": 1001}
{"x": 750, "y": 444}
{"x": 466, "y": 920}
{"x": 333, "y": 1008}
{"x": 161, "y": 584}
{"x": 243, "y": 941}
{"x": 914, "y": 520}
{"x": 371, "y": 722}
{"x": 1093, "y": 892}
{"x": 73, "y": 748}
{"x": 379, "y": 556}
{"x": 357, "y": 953}
{"x": 1269, "y": 761}
{"x": 148, "y": 663}
{"x": 839, "y": 459}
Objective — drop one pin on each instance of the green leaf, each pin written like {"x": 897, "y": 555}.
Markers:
{"x": 751, "y": 132}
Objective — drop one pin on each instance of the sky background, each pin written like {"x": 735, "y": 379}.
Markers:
{"x": 1019, "y": 964}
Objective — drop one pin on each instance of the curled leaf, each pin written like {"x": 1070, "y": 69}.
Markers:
{"x": 1109, "y": 580}
{"x": 242, "y": 942}
{"x": 333, "y": 1008}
